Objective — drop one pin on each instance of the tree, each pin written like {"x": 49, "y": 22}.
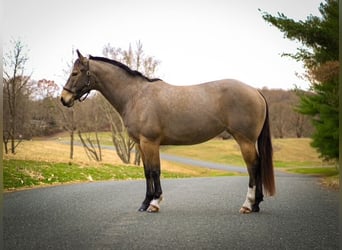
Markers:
{"x": 122, "y": 142}
{"x": 319, "y": 52}
{"x": 14, "y": 85}
{"x": 92, "y": 149}
{"x": 90, "y": 118}
{"x": 68, "y": 115}
{"x": 136, "y": 60}
{"x": 285, "y": 122}
{"x": 45, "y": 118}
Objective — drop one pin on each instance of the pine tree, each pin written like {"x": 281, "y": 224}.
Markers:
{"x": 319, "y": 52}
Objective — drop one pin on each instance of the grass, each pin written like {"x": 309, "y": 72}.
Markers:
{"x": 41, "y": 163}
{"x": 319, "y": 171}
{"x": 20, "y": 173}
{"x": 54, "y": 151}
{"x": 23, "y": 173}
{"x": 332, "y": 182}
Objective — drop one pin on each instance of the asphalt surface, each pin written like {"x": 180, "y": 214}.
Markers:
{"x": 197, "y": 213}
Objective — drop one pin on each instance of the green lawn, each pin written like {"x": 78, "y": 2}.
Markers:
{"x": 23, "y": 173}
{"x": 318, "y": 171}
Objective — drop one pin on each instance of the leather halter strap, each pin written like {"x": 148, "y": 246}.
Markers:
{"x": 87, "y": 85}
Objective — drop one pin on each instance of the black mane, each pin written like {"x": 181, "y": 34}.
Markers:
{"x": 124, "y": 67}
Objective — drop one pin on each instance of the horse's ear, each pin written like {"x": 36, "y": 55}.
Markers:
{"x": 79, "y": 55}
{"x": 82, "y": 60}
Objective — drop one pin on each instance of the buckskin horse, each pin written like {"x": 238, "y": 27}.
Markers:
{"x": 157, "y": 113}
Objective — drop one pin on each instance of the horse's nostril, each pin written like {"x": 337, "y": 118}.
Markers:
{"x": 62, "y": 100}
{"x": 66, "y": 101}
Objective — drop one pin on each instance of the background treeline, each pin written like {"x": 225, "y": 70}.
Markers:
{"x": 284, "y": 118}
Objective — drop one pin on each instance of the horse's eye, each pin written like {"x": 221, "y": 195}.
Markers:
{"x": 74, "y": 74}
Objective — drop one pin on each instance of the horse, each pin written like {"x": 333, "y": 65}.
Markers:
{"x": 156, "y": 113}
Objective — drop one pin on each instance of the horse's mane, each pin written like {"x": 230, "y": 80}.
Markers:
{"x": 124, "y": 67}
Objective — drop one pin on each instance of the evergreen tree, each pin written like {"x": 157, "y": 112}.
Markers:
{"x": 319, "y": 37}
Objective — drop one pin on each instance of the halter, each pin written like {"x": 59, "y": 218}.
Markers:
{"x": 87, "y": 85}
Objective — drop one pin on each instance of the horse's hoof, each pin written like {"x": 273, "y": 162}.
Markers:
{"x": 143, "y": 208}
{"x": 255, "y": 208}
{"x": 154, "y": 205}
{"x": 153, "y": 209}
{"x": 245, "y": 210}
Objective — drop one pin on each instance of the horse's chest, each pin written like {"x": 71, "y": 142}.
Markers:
{"x": 143, "y": 125}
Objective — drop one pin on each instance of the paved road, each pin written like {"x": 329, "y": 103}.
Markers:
{"x": 198, "y": 213}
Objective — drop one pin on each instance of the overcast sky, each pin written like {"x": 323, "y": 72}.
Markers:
{"x": 196, "y": 41}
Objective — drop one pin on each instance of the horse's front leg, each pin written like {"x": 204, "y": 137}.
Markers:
{"x": 149, "y": 190}
{"x": 157, "y": 196}
{"x": 151, "y": 160}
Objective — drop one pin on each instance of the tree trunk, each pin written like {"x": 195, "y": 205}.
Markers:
{"x": 137, "y": 156}
{"x": 71, "y": 144}
{"x": 72, "y": 133}
{"x": 12, "y": 143}
{"x": 5, "y": 140}
{"x": 98, "y": 145}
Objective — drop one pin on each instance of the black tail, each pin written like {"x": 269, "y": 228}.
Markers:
{"x": 266, "y": 156}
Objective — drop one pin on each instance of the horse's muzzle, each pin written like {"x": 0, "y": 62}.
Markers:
{"x": 67, "y": 99}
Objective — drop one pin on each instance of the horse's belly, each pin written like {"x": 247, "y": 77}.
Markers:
{"x": 190, "y": 136}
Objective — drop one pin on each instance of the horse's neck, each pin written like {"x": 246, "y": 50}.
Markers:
{"x": 115, "y": 85}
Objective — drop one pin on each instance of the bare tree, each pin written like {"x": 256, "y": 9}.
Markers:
{"x": 300, "y": 124}
{"x": 92, "y": 149}
{"x": 90, "y": 120}
{"x": 68, "y": 115}
{"x": 122, "y": 142}
{"x": 280, "y": 121}
{"x": 285, "y": 121}
{"x": 46, "y": 89}
{"x": 14, "y": 83}
{"x": 135, "y": 59}
{"x": 45, "y": 118}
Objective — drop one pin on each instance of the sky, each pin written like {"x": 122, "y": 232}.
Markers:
{"x": 196, "y": 41}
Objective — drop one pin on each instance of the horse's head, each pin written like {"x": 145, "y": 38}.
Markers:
{"x": 78, "y": 83}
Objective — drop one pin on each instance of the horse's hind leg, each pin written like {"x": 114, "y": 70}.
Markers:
{"x": 254, "y": 193}
{"x": 151, "y": 160}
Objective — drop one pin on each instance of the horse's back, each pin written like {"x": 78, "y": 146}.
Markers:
{"x": 228, "y": 100}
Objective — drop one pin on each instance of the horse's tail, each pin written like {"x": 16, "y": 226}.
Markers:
{"x": 266, "y": 156}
